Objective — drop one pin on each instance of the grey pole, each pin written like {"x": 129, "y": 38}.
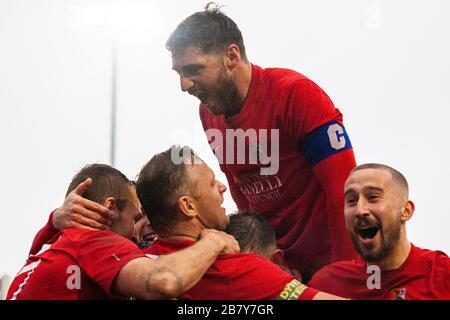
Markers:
{"x": 113, "y": 101}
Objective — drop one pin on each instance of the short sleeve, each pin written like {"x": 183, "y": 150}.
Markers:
{"x": 307, "y": 108}
{"x": 102, "y": 254}
{"x": 257, "y": 278}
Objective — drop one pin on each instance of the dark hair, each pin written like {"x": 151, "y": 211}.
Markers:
{"x": 396, "y": 175}
{"x": 211, "y": 30}
{"x": 161, "y": 182}
{"x": 252, "y": 231}
{"x": 106, "y": 182}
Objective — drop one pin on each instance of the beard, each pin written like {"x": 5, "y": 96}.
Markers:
{"x": 226, "y": 96}
{"x": 224, "y": 99}
{"x": 389, "y": 236}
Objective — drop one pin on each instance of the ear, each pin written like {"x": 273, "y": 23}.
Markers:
{"x": 187, "y": 206}
{"x": 232, "y": 56}
{"x": 111, "y": 204}
{"x": 407, "y": 211}
{"x": 277, "y": 257}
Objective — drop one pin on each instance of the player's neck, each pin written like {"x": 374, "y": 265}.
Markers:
{"x": 181, "y": 232}
{"x": 396, "y": 257}
{"x": 242, "y": 80}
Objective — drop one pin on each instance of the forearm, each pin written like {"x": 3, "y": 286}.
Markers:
{"x": 168, "y": 276}
{"x": 327, "y": 296}
{"x": 331, "y": 174}
{"x": 43, "y": 236}
{"x": 189, "y": 265}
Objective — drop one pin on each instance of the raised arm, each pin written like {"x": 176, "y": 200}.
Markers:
{"x": 76, "y": 211}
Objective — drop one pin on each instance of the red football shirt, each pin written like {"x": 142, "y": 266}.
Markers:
{"x": 425, "y": 274}
{"x": 238, "y": 277}
{"x": 303, "y": 201}
{"x": 79, "y": 265}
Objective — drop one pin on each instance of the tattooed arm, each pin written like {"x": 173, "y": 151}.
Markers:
{"x": 171, "y": 275}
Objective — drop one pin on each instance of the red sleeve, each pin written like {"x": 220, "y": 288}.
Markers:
{"x": 440, "y": 275}
{"x": 320, "y": 279}
{"x": 307, "y": 108}
{"x": 331, "y": 174}
{"x": 103, "y": 254}
{"x": 257, "y": 278}
{"x": 316, "y": 125}
{"x": 43, "y": 236}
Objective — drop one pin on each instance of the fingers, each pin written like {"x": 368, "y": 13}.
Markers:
{"x": 92, "y": 215}
{"x": 82, "y": 187}
{"x": 77, "y": 225}
{"x": 88, "y": 204}
{"x": 97, "y": 208}
{"x": 231, "y": 246}
{"x": 87, "y": 223}
{"x": 229, "y": 243}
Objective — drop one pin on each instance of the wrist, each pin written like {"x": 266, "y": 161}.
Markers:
{"x": 214, "y": 243}
{"x": 51, "y": 221}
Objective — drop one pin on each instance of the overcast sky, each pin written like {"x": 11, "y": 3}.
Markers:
{"x": 384, "y": 63}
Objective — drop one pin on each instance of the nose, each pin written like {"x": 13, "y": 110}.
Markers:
{"x": 136, "y": 236}
{"x": 361, "y": 208}
{"x": 185, "y": 83}
{"x": 222, "y": 187}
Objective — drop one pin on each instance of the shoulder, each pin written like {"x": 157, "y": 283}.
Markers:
{"x": 286, "y": 78}
{"x": 84, "y": 238}
{"x": 335, "y": 271}
{"x": 88, "y": 233}
{"x": 434, "y": 265}
{"x": 438, "y": 259}
{"x": 249, "y": 264}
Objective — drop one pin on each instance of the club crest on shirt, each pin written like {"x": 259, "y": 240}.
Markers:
{"x": 398, "y": 294}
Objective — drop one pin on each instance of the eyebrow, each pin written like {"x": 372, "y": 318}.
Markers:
{"x": 189, "y": 67}
{"x": 370, "y": 188}
{"x": 365, "y": 189}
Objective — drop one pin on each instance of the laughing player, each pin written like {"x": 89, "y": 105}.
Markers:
{"x": 301, "y": 194}
{"x": 377, "y": 207}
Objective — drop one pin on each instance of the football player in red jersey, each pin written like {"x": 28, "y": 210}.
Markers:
{"x": 299, "y": 187}
{"x": 82, "y": 263}
{"x": 184, "y": 198}
{"x": 377, "y": 208}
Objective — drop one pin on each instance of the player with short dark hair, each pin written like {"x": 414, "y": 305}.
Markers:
{"x": 377, "y": 208}
{"x": 194, "y": 206}
{"x": 277, "y": 109}
{"x": 80, "y": 263}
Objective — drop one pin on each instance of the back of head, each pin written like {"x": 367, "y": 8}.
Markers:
{"x": 159, "y": 185}
{"x": 211, "y": 30}
{"x": 253, "y": 232}
{"x": 107, "y": 182}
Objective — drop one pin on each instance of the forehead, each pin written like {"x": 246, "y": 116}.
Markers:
{"x": 199, "y": 171}
{"x": 134, "y": 198}
{"x": 359, "y": 179}
{"x": 190, "y": 55}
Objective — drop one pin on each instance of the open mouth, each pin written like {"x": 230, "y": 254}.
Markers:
{"x": 368, "y": 232}
{"x": 202, "y": 96}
